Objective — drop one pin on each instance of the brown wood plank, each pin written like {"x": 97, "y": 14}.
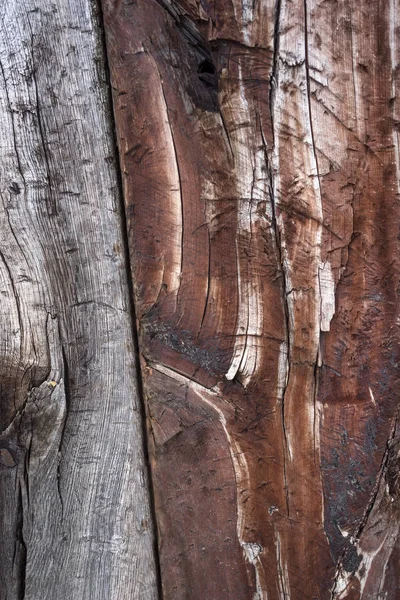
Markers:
{"x": 259, "y": 151}
{"x": 75, "y": 520}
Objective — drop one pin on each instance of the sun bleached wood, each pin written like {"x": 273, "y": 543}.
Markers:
{"x": 74, "y": 501}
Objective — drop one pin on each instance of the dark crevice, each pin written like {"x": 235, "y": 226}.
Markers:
{"x": 206, "y": 70}
{"x": 226, "y": 41}
{"x": 67, "y": 391}
{"x": 186, "y": 25}
{"x": 206, "y": 66}
{"x": 275, "y": 61}
{"x": 96, "y": 303}
{"x": 317, "y": 373}
{"x": 20, "y": 547}
{"x": 131, "y": 297}
{"x": 28, "y": 449}
{"x": 381, "y": 475}
{"x": 208, "y": 74}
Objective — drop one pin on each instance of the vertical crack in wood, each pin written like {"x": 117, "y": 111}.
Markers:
{"x": 298, "y": 214}
{"x": 21, "y": 552}
{"x": 65, "y": 376}
{"x": 277, "y": 235}
{"x": 317, "y": 458}
{"x": 131, "y": 299}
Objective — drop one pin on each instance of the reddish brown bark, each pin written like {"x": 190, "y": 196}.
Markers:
{"x": 259, "y": 152}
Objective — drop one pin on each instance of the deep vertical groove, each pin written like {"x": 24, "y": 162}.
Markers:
{"x": 307, "y": 68}
{"x": 67, "y": 391}
{"x": 272, "y": 92}
{"x": 98, "y": 13}
{"x": 316, "y": 386}
{"x": 23, "y": 548}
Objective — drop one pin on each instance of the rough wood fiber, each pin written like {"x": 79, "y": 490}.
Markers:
{"x": 259, "y": 149}
{"x": 75, "y": 521}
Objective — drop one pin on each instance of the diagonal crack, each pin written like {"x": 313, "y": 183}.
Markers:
{"x": 371, "y": 504}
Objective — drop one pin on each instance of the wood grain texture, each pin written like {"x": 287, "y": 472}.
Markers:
{"x": 75, "y": 520}
{"x": 259, "y": 151}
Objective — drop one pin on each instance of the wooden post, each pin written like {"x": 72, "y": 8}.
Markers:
{"x": 259, "y": 152}
{"x": 75, "y": 520}
{"x": 256, "y": 253}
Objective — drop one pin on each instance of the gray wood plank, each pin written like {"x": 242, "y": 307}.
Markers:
{"x": 75, "y": 518}
{"x": 259, "y": 146}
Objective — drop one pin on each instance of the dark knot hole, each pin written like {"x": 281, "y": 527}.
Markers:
{"x": 206, "y": 66}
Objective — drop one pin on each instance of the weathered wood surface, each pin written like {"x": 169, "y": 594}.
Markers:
{"x": 75, "y": 522}
{"x": 260, "y": 159}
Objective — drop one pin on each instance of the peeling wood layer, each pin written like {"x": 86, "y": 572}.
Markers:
{"x": 75, "y": 516}
{"x": 259, "y": 152}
